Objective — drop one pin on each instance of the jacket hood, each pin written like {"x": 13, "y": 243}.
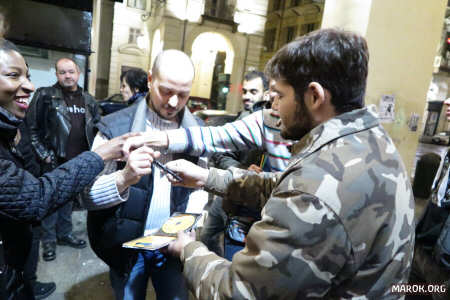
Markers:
{"x": 8, "y": 124}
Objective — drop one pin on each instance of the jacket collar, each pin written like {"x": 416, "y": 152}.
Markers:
{"x": 136, "y": 97}
{"x": 341, "y": 125}
{"x": 8, "y": 125}
{"x": 140, "y": 116}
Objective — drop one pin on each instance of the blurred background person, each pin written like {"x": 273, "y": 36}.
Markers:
{"x": 133, "y": 85}
{"x": 253, "y": 88}
{"x": 61, "y": 121}
{"x": 255, "y": 97}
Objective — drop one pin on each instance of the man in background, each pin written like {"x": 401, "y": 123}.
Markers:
{"x": 61, "y": 121}
{"x": 235, "y": 229}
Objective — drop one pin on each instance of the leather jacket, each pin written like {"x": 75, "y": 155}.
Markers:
{"x": 48, "y": 120}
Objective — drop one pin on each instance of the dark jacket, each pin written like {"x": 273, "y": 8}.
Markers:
{"x": 25, "y": 199}
{"x": 109, "y": 228}
{"x": 49, "y": 121}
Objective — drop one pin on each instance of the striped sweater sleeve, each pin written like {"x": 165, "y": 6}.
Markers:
{"x": 243, "y": 134}
{"x": 257, "y": 130}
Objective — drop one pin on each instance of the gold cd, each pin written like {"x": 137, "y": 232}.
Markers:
{"x": 151, "y": 241}
{"x": 178, "y": 223}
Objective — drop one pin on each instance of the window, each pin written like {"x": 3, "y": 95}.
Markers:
{"x": 276, "y": 4}
{"x": 139, "y": 4}
{"x": 133, "y": 35}
{"x": 269, "y": 39}
{"x": 308, "y": 28}
{"x": 290, "y": 33}
{"x": 213, "y": 8}
{"x": 219, "y": 9}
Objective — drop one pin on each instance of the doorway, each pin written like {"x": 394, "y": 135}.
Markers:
{"x": 213, "y": 56}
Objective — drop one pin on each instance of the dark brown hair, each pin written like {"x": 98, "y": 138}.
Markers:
{"x": 257, "y": 74}
{"x": 137, "y": 79}
{"x": 336, "y": 59}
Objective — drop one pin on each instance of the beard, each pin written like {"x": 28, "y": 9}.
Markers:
{"x": 301, "y": 125}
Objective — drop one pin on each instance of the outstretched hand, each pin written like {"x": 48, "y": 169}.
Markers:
{"x": 192, "y": 175}
{"x": 254, "y": 168}
{"x": 112, "y": 149}
{"x": 153, "y": 138}
{"x": 183, "y": 238}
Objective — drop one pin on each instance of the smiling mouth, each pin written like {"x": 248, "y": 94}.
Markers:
{"x": 22, "y": 102}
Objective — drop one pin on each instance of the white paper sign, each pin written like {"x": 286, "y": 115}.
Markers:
{"x": 386, "y": 109}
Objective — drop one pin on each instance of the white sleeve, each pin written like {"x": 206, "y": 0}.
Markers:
{"x": 103, "y": 193}
{"x": 197, "y": 201}
{"x": 198, "y": 198}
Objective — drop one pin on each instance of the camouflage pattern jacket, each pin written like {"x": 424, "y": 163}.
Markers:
{"x": 337, "y": 223}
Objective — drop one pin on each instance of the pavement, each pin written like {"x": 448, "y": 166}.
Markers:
{"x": 78, "y": 273}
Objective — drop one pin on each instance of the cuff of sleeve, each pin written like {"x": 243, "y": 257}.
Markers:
{"x": 177, "y": 140}
{"x": 111, "y": 180}
{"x": 100, "y": 164}
{"x": 104, "y": 193}
{"x": 213, "y": 185}
{"x": 189, "y": 249}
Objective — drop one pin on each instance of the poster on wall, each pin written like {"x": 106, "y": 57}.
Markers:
{"x": 386, "y": 109}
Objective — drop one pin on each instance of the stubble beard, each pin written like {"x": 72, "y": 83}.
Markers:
{"x": 302, "y": 125}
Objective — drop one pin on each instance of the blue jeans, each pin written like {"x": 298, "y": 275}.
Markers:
{"x": 231, "y": 247}
{"x": 57, "y": 224}
{"x": 167, "y": 279}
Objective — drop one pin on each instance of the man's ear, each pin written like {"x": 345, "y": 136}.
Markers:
{"x": 149, "y": 79}
{"x": 315, "y": 95}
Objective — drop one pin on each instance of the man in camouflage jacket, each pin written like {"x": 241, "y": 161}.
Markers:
{"x": 338, "y": 222}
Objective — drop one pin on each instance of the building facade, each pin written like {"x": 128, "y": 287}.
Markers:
{"x": 224, "y": 38}
{"x": 287, "y": 19}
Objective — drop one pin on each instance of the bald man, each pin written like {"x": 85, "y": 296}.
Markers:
{"x": 134, "y": 198}
{"x": 61, "y": 120}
